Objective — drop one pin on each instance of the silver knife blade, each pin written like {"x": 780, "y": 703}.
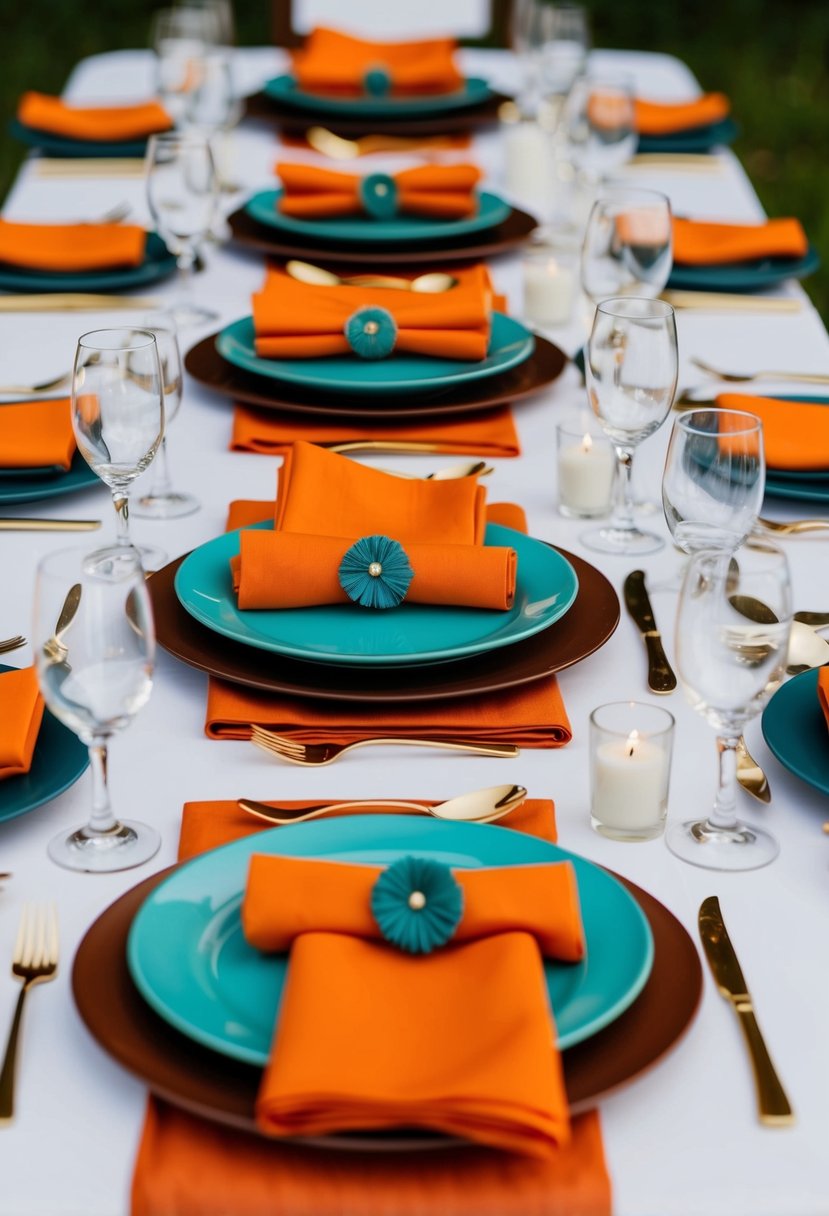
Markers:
{"x": 661, "y": 678}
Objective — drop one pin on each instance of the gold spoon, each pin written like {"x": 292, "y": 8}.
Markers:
{"x": 794, "y": 526}
{"x": 479, "y": 806}
{"x": 806, "y": 648}
{"x": 433, "y": 283}
{"x": 749, "y": 774}
{"x": 338, "y": 148}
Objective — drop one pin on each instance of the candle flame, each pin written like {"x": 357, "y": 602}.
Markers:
{"x": 632, "y": 740}
{"x": 586, "y": 443}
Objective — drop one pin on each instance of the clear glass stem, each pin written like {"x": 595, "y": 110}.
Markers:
{"x": 121, "y": 501}
{"x": 624, "y": 490}
{"x": 724, "y": 815}
{"x": 162, "y": 486}
{"x": 185, "y": 261}
{"x": 102, "y": 819}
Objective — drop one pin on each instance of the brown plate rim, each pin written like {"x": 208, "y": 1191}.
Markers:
{"x": 596, "y": 609}
{"x": 296, "y": 121}
{"x": 223, "y": 1090}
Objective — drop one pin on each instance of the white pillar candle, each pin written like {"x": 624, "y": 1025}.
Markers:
{"x": 528, "y": 163}
{"x": 630, "y": 783}
{"x": 549, "y": 290}
{"x": 585, "y": 476}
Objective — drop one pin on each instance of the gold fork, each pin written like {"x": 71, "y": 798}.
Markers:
{"x": 313, "y": 755}
{"x": 747, "y": 377}
{"x": 11, "y": 644}
{"x": 35, "y": 960}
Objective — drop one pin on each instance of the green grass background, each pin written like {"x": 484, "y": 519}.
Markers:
{"x": 770, "y": 56}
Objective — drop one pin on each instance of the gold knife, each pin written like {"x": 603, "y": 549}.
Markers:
{"x": 48, "y": 525}
{"x": 773, "y": 1105}
{"x": 72, "y": 301}
{"x": 661, "y": 678}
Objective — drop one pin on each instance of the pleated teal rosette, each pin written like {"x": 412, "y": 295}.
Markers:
{"x": 378, "y": 194}
{"x": 377, "y": 80}
{"x": 417, "y": 903}
{"x": 371, "y": 332}
{"x": 375, "y": 572}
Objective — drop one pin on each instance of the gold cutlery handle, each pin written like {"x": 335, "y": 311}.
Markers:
{"x": 716, "y": 301}
{"x": 661, "y": 678}
{"x": 49, "y": 525}
{"x": 773, "y": 1105}
{"x": 390, "y": 447}
{"x": 507, "y": 750}
{"x": 7, "y": 1074}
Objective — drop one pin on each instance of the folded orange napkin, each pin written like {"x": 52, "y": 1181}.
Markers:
{"x": 35, "y": 434}
{"x": 795, "y": 433}
{"x": 489, "y": 433}
{"x": 823, "y": 691}
{"x": 68, "y": 247}
{"x": 332, "y": 62}
{"x": 668, "y": 117}
{"x": 295, "y": 570}
{"x": 288, "y": 896}
{"x": 21, "y": 712}
{"x": 101, "y": 123}
{"x": 243, "y": 512}
{"x": 699, "y": 243}
{"x": 437, "y": 191}
{"x": 295, "y": 320}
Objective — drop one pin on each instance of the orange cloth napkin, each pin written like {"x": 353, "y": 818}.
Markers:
{"x": 293, "y": 570}
{"x": 332, "y": 62}
{"x": 246, "y": 511}
{"x": 795, "y": 433}
{"x": 21, "y": 712}
{"x": 101, "y": 123}
{"x": 68, "y": 247}
{"x": 668, "y": 117}
{"x": 823, "y": 691}
{"x": 489, "y": 433}
{"x": 699, "y": 243}
{"x": 438, "y": 191}
{"x": 35, "y": 434}
{"x": 294, "y": 320}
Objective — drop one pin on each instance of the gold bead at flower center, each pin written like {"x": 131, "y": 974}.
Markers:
{"x": 375, "y": 569}
{"x": 371, "y": 328}
{"x": 417, "y": 901}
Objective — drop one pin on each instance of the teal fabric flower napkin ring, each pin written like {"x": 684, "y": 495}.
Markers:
{"x": 375, "y": 572}
{"x": 371, "y": 332}
{"x": 377, "y": 80}
{"x": 378, "y": 194}
{"x": 417, "y": 903}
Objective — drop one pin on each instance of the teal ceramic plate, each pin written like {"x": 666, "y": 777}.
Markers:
{"x": 42, "y": 470}
{"x": 546, "y": 585}
{"x": 35, "y": 485}
{"x": 363, "y": 230}
{"x": 744, "y": 276}
{"x": 796, "y": 732}
{"x": 158, "y": 264}
{"x": 698, "y": 139}
{"x": 799, "y": 491}
{"x": 191, "y": 963}
{"x": 510, "y": 344}
{"x": 284, "y": 89}
{"x": 58, "y": 761}
{"x": 60, "y": 145}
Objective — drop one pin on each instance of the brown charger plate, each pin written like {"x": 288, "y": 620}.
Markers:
{"x": 223, "y": 1090}
{"x": 589, "y": 623}
{"x": 473, "y": 247}
{"x": 295, "y": 121}
{"x": 205, "y": 364}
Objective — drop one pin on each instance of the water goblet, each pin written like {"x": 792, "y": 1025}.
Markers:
{"x": 627, "y": 247}
{"x": 732, "y": 638}
{"x": 601, "y": 124}
{"x": 180, "y": 37}
{"x": 94, "y": 647}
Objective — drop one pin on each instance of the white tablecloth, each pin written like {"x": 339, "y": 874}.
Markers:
{"x": 684, "y": 1139}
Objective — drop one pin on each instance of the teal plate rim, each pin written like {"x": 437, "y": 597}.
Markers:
{"x": 284, "y": 89}
{"x": 63, "y": 146}
{"x": 203, "y": 588}
{"x": 31, "y": 487}
{"x": 158, "y": 264}
{"x": 695, "y": 139}
{"x": 744, "y": 276}
{"x": 796, "y": 731}
{"x": 209, "y": 890}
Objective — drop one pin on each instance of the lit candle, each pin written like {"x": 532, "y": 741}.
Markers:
{"x": 586, "y": 470}
{"x": 528, "y": 163}
{"x": 549, "y": 290}
{"x": 630, "y": 783}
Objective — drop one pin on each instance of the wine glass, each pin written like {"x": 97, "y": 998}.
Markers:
{"x": 180, "y": 37}
{"x": 732, "y": 637}
{"x": 529, "y": 22}
{"x": 628, "y": 245}
{"x": 631, "y": 371}
{"x": 94, "y": 646}
{"x": 161, "y": 501}
{"x": 219, "y": 13}
{"x": 181, "y": 191}
{"x": 566, "y": 43}
{"x": 118, "y": 415}
{"x": 601, "y": 124}
{"x": 213, "y": 109}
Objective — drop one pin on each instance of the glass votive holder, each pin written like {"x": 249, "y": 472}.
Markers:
{"x": 630, "y": 768}
{"x": 550, "y": 272}
{"x": 586, "y": 466}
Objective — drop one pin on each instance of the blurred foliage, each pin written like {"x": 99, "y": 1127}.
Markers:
{"x": 770, "y": 58}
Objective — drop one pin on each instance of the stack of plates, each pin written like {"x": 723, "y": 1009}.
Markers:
{"x": 744, "y": 276}
{"x": 695, "y": 139}
{"x": 158, "y": 263}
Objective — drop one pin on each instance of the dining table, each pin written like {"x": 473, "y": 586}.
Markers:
{"x": 683, "y": 1138}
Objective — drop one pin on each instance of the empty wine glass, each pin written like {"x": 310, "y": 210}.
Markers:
{"x": 628, "y": 245}
{"x": 601, "y": 124}
{"x": 732, "y": 638}
{"x": 94, "y": 646}
{"x": 118, "y": 415}
{"x": 219, "y": 13}
{"x": 564, "y": 52}
{"x": 213, "y": 109}
{"x": 631, "y": 371}
{"x": 180, "y": 37}
{"x": 181, "y": 191}
{"x": 529, "y": 21}
{"x": 161, "y": 501}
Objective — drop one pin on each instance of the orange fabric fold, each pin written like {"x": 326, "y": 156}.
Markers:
{"x": 668, "y": 117}
{"x": 100, "y": 123}
{"x": 438, "y": 191}
{"x": 699, "y": 243}
{"x": 795, "y": 433}
{"x": 293, "y": 570}
{"x": 21, "y": 713}
{"x": 531, "y": 715}
{"x": 295, "y": 320}
{"x": 36, "y": 434}
{"x": 288, "y": 896}
{"x": 333, "y": 62}
{"x": 68, "y": 247}
{"x": 489, "y": 433}
{"x": 316, "y": 486}
{"x": 823, "y": 691}
{"x": 243, "y": 512}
